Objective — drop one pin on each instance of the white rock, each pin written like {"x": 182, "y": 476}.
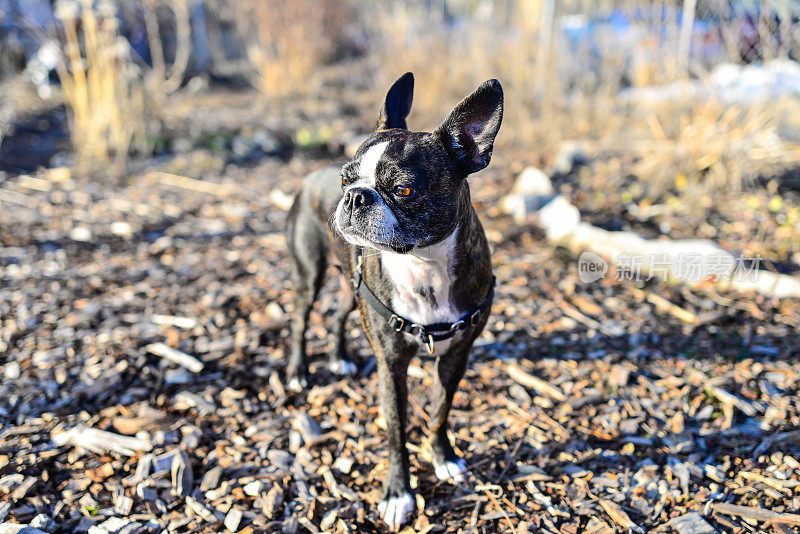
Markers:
{"x": 81, "y": 233}
{"x": 559, "y": 218}
{"x": 343, "y": 464}
{"x": 253, "y": 488}
{"x": 218, "y": 493}
{"x": 12, "y": 370}
{"x": 532, "y": 190}
{"x": 274, "y": 311}
{"x": 232, "y": 519}
{"x": 122, "y": 229}
{"x": 533, "y": 181}
{"x": 211, "y": 478}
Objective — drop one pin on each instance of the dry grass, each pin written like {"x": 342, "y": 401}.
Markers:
{"x": 723, "y": 148}
{"x": 286, "y": 41}
{"x": 104, "y": 98}
{"x": 449, "y": 62}
{"x": 545, "y": 100}
{"x": 556, "y": 93}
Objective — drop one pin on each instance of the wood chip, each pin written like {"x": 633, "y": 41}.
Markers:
{"x": 618, "y": 515}
{"x": 175, "y": 356}
{"x": 759, "y": 514}
{"x": 100, "y": 441}
{"x": 535, "y": 383}
{"x": 691, "y": 523}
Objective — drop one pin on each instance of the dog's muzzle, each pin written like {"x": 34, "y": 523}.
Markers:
{"x": 356, "y": 198}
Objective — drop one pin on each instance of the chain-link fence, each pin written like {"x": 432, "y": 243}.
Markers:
{"x": 652, "y": 42}
{"x": 644, "y": 41}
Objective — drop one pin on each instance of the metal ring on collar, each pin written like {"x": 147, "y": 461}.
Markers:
{"x": 397, "y": 322}
{"x": 475, "y": 318}
{"x": 429, "y": 344}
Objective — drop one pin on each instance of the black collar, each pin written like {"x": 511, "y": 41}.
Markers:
{"x": 428, "y": 333}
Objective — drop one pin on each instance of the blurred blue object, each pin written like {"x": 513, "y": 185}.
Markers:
{"x": 22, "y": 15}
{"x": 630, "y": 36}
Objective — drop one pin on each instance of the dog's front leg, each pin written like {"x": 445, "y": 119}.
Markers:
{"x": 448, "y": 371}
{"x": 398, "y": 501}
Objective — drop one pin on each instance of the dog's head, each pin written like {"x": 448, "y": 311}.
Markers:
{"x": 401, "y": 191}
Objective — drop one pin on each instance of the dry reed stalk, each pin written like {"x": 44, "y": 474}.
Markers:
{"x": 104, "y": 99}
{"x": 162, "y": 79}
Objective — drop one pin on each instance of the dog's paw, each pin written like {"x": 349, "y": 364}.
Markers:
{"x": 451, "y": 470}
{"x": 342, "y": 367}
{"x": 395, "y": 511}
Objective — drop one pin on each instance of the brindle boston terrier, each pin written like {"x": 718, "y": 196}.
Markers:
{"x": 399, "y": 221}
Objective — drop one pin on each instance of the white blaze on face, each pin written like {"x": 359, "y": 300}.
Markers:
{"x": 384, "y": 230}
{"x": 369, "y": 163}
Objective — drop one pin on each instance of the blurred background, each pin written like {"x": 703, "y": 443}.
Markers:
{"x": 693, "y": 99}
{"x": 149, "y": 152}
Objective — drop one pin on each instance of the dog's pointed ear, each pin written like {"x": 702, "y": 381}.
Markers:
{"x": 468, "y": 132}
{"x": 397, "y": 105}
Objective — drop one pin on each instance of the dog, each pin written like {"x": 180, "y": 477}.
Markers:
{"x": 399, "y": 223}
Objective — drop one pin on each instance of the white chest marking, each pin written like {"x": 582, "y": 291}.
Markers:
{"x": 421, "y": 282}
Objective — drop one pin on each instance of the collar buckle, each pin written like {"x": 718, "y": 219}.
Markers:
{"x": 397, "y": 322}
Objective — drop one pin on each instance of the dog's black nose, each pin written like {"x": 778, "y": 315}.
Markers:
{"x": 359, "y": 197}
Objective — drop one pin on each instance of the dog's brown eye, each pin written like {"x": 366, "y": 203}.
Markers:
{"x": 403, "y": 191}
{"x": 345, "y": 181}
